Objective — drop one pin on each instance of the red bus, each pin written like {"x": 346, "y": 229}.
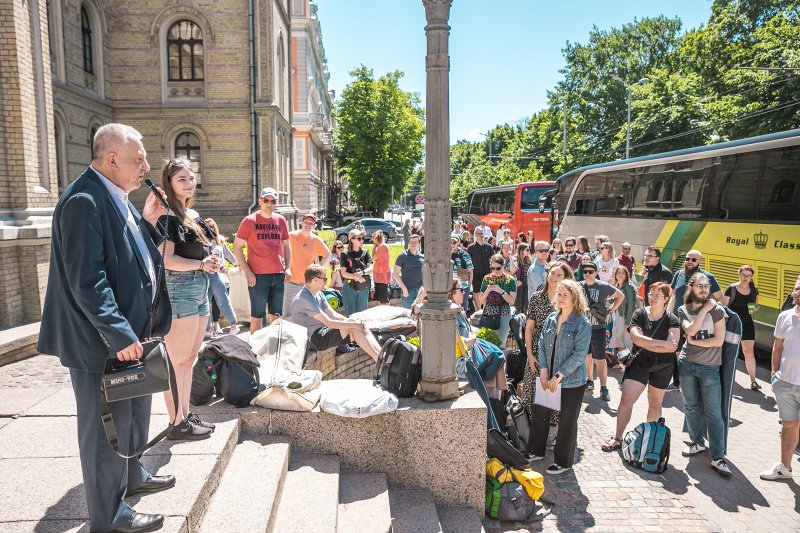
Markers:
{"x": 516, "y": 204}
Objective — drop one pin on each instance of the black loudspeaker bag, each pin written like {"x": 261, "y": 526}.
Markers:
{"x": 497, "y": 445}
{"x": 515, "y": 367}
{"x": 123, "y": 380}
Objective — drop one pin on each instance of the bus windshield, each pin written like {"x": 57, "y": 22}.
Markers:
{"x": 529, "y": 200}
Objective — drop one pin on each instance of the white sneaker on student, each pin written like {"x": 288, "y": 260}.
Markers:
{"x": 721, "y": 467}
{"x": 778, "y": 471}
{"x": 693, "y": 449}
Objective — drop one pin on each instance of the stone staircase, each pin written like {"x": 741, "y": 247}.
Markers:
{"x": 266, "y": 487}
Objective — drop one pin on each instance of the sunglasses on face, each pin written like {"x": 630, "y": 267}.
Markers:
{"x": 269, "y": 200}
{"x": 542, "y": 251}
{"x": 692, "y": 260}
{"x": 321, "y": 277}
{"x": 340, "y": 247}
{"x": 586, "y": 272}
{"x": 459, "y": 289}
{"x": 357, "y": 239}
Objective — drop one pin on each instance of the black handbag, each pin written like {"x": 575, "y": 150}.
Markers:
{"x": 489, "y": 322}
{"x": 627, "y": 357}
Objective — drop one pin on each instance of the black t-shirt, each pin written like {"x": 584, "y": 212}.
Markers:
{"x": 739, "y": 302}
{"x": 643, "y": 322}
{"x": 187, "y": 244}
{"x": 352, "y": 263}
{"x": 480, "y": 255}
{"x": 658, "y": 273}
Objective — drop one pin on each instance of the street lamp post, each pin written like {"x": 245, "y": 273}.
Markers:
{"x": 628, "y": 125}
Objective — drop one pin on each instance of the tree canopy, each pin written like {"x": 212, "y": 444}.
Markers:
{"x": 697, "y": 93}
{"x": 378, "y": 140}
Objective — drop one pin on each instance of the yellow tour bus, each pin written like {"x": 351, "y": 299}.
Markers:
{"x": 737, "y": 202}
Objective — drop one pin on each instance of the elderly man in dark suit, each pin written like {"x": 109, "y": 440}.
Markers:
{"x": 103, "y": 281}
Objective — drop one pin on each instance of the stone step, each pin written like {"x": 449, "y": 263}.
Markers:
{"x": 31, "y": 501}
{"x": 248, "y": 493}
{"x": 413, "y": 511}
{"x": 364, "y": 504}
{"x": 459, "y": 520}
{"x": 310, "y": 497}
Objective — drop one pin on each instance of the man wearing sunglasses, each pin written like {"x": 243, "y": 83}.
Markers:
{"x": 537, "y": 272}
{"x": 570, "y": 256}
{"x": 691, "y": 266}
{"x": 654, "y": 271}
{"x": 597, "y": 295}
{"x": 269, "y": 256}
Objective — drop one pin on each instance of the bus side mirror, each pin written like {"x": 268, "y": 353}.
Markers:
{"x": 546, "y": 200}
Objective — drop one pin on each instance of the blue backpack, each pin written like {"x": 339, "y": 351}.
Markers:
{"x": 647, "y": 446}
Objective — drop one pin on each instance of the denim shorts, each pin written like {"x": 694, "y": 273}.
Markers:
{"x": 188, "y": 293}
{"x": 787, "y": 396}
{"x": 267, "y": 293}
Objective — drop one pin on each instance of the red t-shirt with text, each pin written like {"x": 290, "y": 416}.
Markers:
{"x": 264, "y": 238}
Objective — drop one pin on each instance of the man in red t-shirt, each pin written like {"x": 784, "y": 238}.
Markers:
{"x": 626, "y": 259}
{"x": 269, "y": 257}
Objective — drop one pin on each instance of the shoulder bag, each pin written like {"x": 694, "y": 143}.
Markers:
{"x": 627, "y": 357}
{"x": 151, "y": 374}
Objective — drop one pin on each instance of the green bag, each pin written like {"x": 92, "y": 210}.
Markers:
{"x": 508, "y": 501}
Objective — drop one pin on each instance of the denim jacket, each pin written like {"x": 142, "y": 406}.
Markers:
{"x": 572, "y": 345}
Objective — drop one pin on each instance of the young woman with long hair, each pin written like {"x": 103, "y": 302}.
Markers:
{"x": 381, "y": 272}
{"x": 563, "y": 344}
{"x": 218, "y": 284}
{"x": 189, "y": 261}
{"x": 356, "y": 270}
{"x": 606, "y": 263}
{"x": 620, "y": 338}
{"x": 742, "y": 298}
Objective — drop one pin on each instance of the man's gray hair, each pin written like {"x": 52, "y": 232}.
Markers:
{"x": 109, "y": 135}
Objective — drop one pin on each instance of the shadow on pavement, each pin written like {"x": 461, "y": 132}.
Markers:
{"x": 65, "y": 514}
{"x": 729, "y": 494}
{"x": 767, "y": 403}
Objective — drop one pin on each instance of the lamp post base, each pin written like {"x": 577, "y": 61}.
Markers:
{"x": 437, "y": 342}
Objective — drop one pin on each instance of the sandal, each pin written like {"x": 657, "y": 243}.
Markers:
{"x": 612, "y": 444}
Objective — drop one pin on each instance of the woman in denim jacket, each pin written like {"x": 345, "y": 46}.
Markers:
{"x": 570, "y": 331}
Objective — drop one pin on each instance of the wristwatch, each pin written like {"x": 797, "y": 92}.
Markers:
{"x": 504, "y": 293}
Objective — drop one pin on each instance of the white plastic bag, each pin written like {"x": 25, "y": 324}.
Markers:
{"x": 356, "y": 398}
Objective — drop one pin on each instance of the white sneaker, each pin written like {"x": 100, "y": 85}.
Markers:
{"x": 721, "y": 466}
{"x": 693, "y": 449}
{"x": 778, "y": 471}
{"x": 531, "y": 457}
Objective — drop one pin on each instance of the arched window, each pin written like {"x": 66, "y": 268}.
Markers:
{"x": 187, "y": 146}
{"x": 86, "y": 33}
{"x": 185, "y": 52}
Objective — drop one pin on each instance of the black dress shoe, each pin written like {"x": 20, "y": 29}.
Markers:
{"x": 154, "y": 484}
{"x": 140, "y": 523}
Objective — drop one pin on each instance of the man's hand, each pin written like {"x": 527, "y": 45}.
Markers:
{"x": 153, "y": 208}
{"x": 132, "y": 352}
{"x": 709, "y": 306}
{"x": 288, "y": 273}
{"x": 250, "y": 277}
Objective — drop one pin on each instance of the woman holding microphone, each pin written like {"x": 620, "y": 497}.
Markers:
{"x": 188, "y": 261}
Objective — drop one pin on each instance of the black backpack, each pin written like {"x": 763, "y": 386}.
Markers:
{"x": 239, "y": 382}
{"x": 399, "y": 367}
{"x": 205, "y": 378}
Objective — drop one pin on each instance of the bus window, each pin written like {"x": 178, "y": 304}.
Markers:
{"x": 529, "y": 199}
{"x": 779, "y": 186}
{"x": 739, "y": 177}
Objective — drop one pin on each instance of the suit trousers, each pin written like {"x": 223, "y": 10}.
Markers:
{"x": 567, "y": 439}
{"x": 106, "y": 476}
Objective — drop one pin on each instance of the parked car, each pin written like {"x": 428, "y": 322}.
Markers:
{"x": 371, "y": 225}
{"x": 352, "y": 217}
{"x": 416, "y": 213}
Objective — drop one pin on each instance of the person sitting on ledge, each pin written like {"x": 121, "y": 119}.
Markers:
{"x": 326, "y": 327}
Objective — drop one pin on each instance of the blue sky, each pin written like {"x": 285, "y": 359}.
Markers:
{"x": 504, "y": 54}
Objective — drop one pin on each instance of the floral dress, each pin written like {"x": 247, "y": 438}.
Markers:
{"x": 538, "y": 310}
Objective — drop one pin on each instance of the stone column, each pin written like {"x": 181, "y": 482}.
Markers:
{"x": 438, "y": 315}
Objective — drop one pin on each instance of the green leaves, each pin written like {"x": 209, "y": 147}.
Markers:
{"x": 378, "y": 140}
{"x": 696, "y": 94}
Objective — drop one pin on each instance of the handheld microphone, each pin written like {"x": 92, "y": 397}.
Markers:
{"x": 153, "y": 188}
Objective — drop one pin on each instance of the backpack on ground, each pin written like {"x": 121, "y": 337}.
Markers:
{"x": 205, "y": 378}
{"x": 506, "y": 498}
{"x": 399, "y": 367}
{"x": 531, "y": 481}
{"x": 239, "y": 382}
{"x": 647, "y": 446}
{"x": 518, "y": 424}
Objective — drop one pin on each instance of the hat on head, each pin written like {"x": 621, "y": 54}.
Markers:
{"x": 268, "y": 192}
{"x": 312, "y": 216}
{"x": 589, "y": 264}
{"x": 453, "y": 238}
{"x": 355, "y": 232}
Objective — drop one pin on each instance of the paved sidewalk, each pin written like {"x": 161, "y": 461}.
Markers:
{"x": 601, "y": 493}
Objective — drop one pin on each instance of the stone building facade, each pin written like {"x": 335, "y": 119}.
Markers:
{"x": 317, "y": 187}
{"x": 200, "y": 79}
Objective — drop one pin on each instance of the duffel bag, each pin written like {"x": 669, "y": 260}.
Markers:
{"x": 508, "y": 501}
{"x": 531, "y": 480}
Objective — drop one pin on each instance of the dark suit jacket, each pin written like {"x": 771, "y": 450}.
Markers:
{"x": 98, "y": 292}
